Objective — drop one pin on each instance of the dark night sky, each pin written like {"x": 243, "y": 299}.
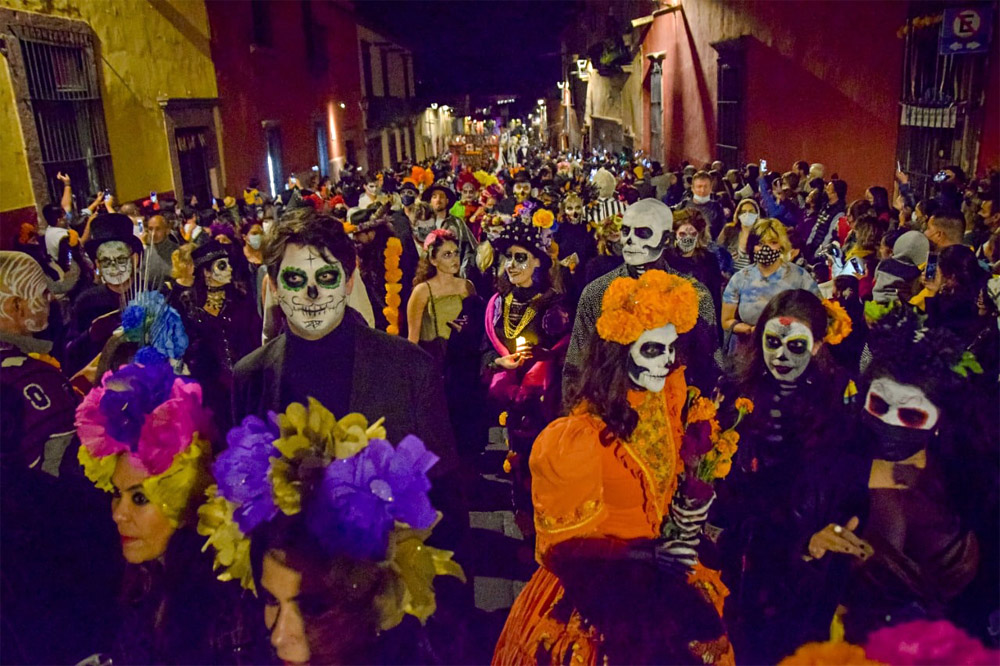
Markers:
{"x": 486, "y": 47}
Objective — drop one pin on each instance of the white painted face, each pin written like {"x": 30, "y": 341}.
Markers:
{"x": 651, "y": 358}
{"x": 312, "y": 291}
{"x": 22, "y": 278}
{"x": 574, "y": 210}
{"x": 520, "y": 265}
{"x": 901, "y": 405}
{"x": 644, "y": 230}
{"x": 522, "y": 191}
{"x": 788, "y": 347}
{"x": 222, "y": 273}
{"x": 114, "y": 259}
{"x": 468, "y": 193}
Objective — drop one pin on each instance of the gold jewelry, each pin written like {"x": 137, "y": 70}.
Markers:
{"x": 511, "y": 332}
{"x": 214, "y": 301}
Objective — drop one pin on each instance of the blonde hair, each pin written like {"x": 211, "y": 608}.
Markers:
{"x": 768, "y": 228}
{"x": 181, "y": 255}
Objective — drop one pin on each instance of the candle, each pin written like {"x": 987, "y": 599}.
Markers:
{"x": 520, "y": 343}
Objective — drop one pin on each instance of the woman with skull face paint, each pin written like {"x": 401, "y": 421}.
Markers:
{"x": 791, "y": 476}
{"x": 222, "y": 324}
{"x": 527, "y": 332}
{"x": 931, "y": 437}
{"x": 691, "y": 256}
{"x": 604, "y": 480}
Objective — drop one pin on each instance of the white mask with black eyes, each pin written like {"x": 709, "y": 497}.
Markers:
{"x": 114, "y": 260}
{"x": 788, "y": 346}
{"x": 901, "y": 405}
{"x": 312, "y": 291}
{"x": 651, "y": 358}
{"x": 645, "y": 227}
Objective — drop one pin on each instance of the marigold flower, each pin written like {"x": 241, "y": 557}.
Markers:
{"x": 619, "y": 326}
{"x": 839, "y": 323}
{"x": 744, "y": 405}
{"x": 828, "y": 654}
{"x": 702, "y": 409}
{"x": 543, "y": 219}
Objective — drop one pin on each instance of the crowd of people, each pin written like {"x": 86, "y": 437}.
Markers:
{"x": 751, "y": 417}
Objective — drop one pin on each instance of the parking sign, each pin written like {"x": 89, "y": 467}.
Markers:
{"x": 966, "y": 30}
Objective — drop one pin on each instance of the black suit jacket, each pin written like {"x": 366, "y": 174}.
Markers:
{"x": 392, "y": 378}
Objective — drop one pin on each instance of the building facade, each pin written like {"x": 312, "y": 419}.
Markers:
{"x": 83, "y": 81}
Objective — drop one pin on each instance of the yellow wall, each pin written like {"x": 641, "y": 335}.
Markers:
{"x": 15, "y": 187}
{"x": 149, "y": 49}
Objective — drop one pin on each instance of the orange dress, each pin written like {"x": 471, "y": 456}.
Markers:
{"x": 581, "y": 488}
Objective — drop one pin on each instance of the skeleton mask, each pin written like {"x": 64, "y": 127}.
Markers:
{"x": 651, "y": 358}
{"x": 788, "y": 346}
{"x": 222, "y": 273}
{"x": 900, "y": 419}
{"x": 114, "y": 259}
{"x": 645, "y": 227}
{"x": 574, "y": 210}
{"x": 468, "y": 193}
{"x": 312, "y": 291}
{"x": 522, "y": 191}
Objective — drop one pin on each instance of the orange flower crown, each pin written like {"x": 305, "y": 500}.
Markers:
{"x": 656, "y": 299}
{"x": 839, "y": 323}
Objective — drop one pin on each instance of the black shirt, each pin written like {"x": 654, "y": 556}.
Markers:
{"x": 321, "y": 369}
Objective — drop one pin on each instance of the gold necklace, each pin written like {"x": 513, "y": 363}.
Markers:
{"x": 214, "y": 301}
{"x": 512, "y": 332}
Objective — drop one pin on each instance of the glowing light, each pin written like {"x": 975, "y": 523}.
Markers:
{"x": 434, "y": 105}
{"x": 332, "y": 121}
{"x": 541, "y": 102}
{"x": 270, "y": 175}
{"x": 343, "y": 106}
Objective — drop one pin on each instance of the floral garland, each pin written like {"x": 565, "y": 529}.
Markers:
{"x": 919, "y": 23}
{"x": 656, "y": 299}
{"x": 393, "y": 251}
{"x": 155, "y": 418}
{"x": 839, "y": 323}
{"x": 366, "y": 499}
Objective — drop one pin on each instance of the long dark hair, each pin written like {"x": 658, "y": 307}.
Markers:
{"x": 547, "y": 280}
{"x": 425, "y": 269}
{"x": 333, "y": 589}
{"x": 798, "y": 303}
{"x": 604, "y": 388}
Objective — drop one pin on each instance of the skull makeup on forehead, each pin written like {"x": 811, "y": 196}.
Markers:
{"x": 651, "y": 358}
{"x": 646, "y": 225}
{"x": 222, "y": 273}
{"x": 901, "y": 405}
{"x": 21, "y": 277}
{"x": 788, "y": 347}
{"x": 312, "y": 291}
{"x": 114, "y": 259}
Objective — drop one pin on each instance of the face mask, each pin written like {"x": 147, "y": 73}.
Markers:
{"x": 641, "y": 238}
{"x": 521, "y": 192}
{"x": 687, "y": 243}
{"x": 747, "y": 219}
{"x": 765, "y": 255}
{"x": 701, "y": 199}
{"x": 788, "y": 346}
{"x": 114, "y": 259}
{"x": 651, "y": 358}
{"x": 574, "y": 212}
{"x": 254, "y": 240}
{"x": 312, "y": 291}
{"x": 893, "y": 443}
{"x": 408, "y": 198}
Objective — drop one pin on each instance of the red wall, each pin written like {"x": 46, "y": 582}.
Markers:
{"x": 822, "y": 83}
{"x": 275, "y": 84}
{"x": 989, "y": 148}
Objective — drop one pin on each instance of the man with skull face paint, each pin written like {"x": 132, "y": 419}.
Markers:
{"x": 646, "y": 231}
{"x": 793, "y": 475}
{"x": 604, "y": 480}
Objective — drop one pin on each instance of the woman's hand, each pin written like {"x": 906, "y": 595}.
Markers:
{"x": 458, "y": 324}
{"x": 513, "y": 361}
{"x": 839, "y": 539}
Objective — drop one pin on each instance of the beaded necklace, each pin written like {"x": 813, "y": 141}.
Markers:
{"x": 512, "y": 332}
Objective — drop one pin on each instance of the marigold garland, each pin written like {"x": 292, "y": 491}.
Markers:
{"x": 828, "y": 654}
{"x": 839, "y": 323}
{"x": 393, "y": 275}
{"x": 631, "y": 306}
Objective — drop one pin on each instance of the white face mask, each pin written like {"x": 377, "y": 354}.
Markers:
{"x": 522, "y": 191}
{"x": 901, "y": 405}
{"x": 312, "y": 291}
{"x": 651, "y": 358}
{"x": 788, "y": 346}
{"x": 643, "y": 232}
{"x": 697, "y": 198}
{"x": 748, "y": 219}
{"x": 222, "y": 273}
{"x": 254, "y": 241}
{"x": 574, "y": 212}
{"x": 114, "y": 259}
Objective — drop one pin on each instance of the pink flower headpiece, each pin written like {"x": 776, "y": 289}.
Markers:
{"x": 433, "y": 236}
{"x": 145, "y": 411}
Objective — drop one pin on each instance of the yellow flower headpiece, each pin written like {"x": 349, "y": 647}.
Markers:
{"x": 656, "y": 299}
{"x": 839, "y": 323}
{"x": 543, "y": 218}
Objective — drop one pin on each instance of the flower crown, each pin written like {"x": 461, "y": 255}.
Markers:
{"x": 155, "y": 418}
{"x": 444, "y": 234}
{"x": 839, "y": 323}
{"x": 631, "y": 306}
{"x": 359, "y": 497}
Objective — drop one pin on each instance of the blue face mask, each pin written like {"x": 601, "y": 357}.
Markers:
{"x": 408, "y": 199}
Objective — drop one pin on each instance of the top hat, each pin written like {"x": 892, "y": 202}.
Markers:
{"x": 111, "y": 227}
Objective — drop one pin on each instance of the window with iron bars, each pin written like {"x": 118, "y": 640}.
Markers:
{"x": 65, "y": 97}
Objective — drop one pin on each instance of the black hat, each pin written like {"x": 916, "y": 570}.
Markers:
{"x": 408, "y": 186}
{"x": 111, "y": 227}
{"x": 522, "y": 176}
{"x": 437, "y": 187}
{"x": 208, "y": 253}
{"x": 527, "y": 236}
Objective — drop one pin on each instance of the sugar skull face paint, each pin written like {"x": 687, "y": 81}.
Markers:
{"x": 652, "y": 357}
{"x": 901, "y": 405}
{"x": 788, "y": 348}
{"x": 312, "y": 291}
{"x": 114, "y": 259}
{"x": 221, "y": 273}
{"x": 522, "y": 191}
